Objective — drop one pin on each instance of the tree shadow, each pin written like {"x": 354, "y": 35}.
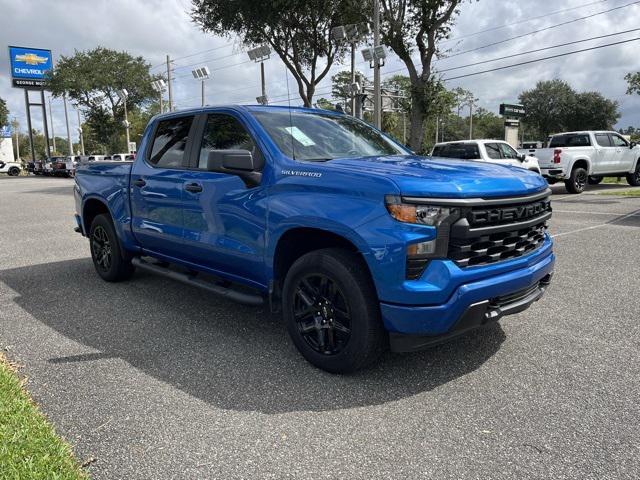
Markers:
{"x": 232, "y": 356}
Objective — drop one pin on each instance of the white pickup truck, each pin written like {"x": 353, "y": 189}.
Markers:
{"x": 578, "y": 158}
{"x": 491, "y": 151}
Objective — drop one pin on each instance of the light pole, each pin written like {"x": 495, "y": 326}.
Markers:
{"x": 202, "y": 74}
{"x": 377, "y": 98}
{"x": 53, "y": 135}
{"x": 123, "y": 94}
{"x": 375, "y": 56}
{"x": 66, "y": 118}
{"x": 158, "y": 86}
{"x": 80, "y": 129}
{"x": 352, "y": 33}
{"x": 259, "y": 55}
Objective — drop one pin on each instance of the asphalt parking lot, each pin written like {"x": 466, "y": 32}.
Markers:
{"x": 154, "y": 379}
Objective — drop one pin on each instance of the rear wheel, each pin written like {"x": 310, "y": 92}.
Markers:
{"x": 577, "y": 181}
{"x": 106, "y": 252}
{"x": 332, "y": 312}
{"x": 594, "y": 180}
{"x": 634, "y": 178}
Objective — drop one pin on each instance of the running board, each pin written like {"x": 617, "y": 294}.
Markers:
{"x": 235, "y": 295}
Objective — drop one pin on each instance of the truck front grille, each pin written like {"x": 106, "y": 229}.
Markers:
{"x": 485, "y": 249}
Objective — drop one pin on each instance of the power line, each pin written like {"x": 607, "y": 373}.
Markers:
{"x": 527, "y": 20}
{"x": 542, "y": 59}
{"x": 537, "y": 50}
{"x": 550, "y": 27}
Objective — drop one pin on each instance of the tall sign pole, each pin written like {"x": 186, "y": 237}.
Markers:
{"x": 169, "y": 84}
{"x": 80, "y": 131}
{"x": 29, "y": 67}
{"x": 66, "y": 118}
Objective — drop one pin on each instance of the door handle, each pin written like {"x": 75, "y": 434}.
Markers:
{"x": 139, "y": 182}
{"x": 193, "y": 187}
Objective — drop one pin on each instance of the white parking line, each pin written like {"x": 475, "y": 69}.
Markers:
{"x": 622, "y": 217}
{"x": 594, "y": 213}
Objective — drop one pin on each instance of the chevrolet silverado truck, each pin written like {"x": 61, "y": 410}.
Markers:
{"x": 581, "y": 158}
{"x": 492, "y": 151}
{"x": 360, "y": 244}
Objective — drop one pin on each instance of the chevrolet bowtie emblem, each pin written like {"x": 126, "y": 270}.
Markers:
{"x": 31, "y": 59}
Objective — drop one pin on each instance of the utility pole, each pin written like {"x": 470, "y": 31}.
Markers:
{"x": 80, "y": 131}
{"x": 53, "y": 135}
{"x": 353, "y": 78}
{"x": 15, "y": 126}
{"x": 437, "y": 127}
{"x": 262, "y": 81}
{"x": 471, "y": 120}
{"x": 377, "y": 100}
{"x": 169, "y": 83}
{"x": 123, "y": 94}
{"x": 66, "y": 118}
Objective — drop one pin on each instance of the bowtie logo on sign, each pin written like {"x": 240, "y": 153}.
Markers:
{"x": 31, "y": 59}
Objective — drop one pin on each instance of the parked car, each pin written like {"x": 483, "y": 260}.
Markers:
{"x": 579, "y": 158}
{"x": 95, "y": 158}
{"x": 358, "y": 242}
{"x": 12, "y": 169}
{"x": 121, "y": 157}
{"x": 65, "y": 166}
{"x": 492, "y": 151}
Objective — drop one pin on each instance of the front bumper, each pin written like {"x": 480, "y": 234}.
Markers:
{"x": 471, "y": 305}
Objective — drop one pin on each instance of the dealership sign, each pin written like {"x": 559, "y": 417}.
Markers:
{"x": 29, "y": 66}
{"x": 510, "y": 110}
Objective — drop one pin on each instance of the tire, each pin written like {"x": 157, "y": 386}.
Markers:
{"x": 106, "y": 252}
{"x": 332, "y": 311}
{"x": 633, "y": 179}
{"x": 14, "y": 172}
{"x": 594, "y": 180}
{"x": 577, "y": 182}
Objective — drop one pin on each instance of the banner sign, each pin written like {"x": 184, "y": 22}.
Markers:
{"x": 29, "y": 66}
{"x": 509, "y": 110}
{"x": 6, "y": 132}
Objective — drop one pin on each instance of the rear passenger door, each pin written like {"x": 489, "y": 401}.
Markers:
{"x": 156, "y": 187}
{"x": 605, "y": 154}
{"x": 224, "y": 219}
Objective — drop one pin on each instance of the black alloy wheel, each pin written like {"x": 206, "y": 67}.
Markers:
{"x": 101, "y": 248}
{"x": 581, "y": 180}
{"x": 322, "y": 314}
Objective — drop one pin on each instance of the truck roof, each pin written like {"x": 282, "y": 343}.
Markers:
{"x": 579, "y": 132}
{"x": 480, "y": 140}
{"x": 246, "y": 108}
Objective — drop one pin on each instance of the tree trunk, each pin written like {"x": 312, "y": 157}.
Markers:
{"x": 416, "y": 135}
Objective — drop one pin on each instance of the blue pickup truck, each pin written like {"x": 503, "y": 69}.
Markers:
{"x": 361, "y": 244}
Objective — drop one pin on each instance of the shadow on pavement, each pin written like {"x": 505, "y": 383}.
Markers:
{"x": 231, "y": 356}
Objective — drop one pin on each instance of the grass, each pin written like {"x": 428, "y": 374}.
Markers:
{"x": 29, "y": 446}
{"x": 622, "y": 193}
{"x": 615, "y": 181}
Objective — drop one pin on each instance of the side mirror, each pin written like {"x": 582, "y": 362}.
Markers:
{"x": 522, "y": 157}
{"x": 235, "y": 162}
{"x": 632, "y": 145}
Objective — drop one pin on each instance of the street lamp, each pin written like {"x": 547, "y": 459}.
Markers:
{"x": 260, "y": 54}
{"x": 123, "y": 94}
{"x": 352, "y": 33}
{"x": 77, "y": 107}
{"x": 202, "y": 74}
{"x": 158, "y": 86}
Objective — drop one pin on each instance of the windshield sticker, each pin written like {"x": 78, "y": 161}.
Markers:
{"x": 300, "y": 136}
{"x": 300, "y": 173}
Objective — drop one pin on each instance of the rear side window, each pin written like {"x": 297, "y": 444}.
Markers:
{"x": 493, "y": 150}
{"x": 603, "y": 139}
{"x": 463, "y": 151}
{"x": 224, "y": 132}
{"x": 170, "y": 142}
{"x": 572, "y": 140}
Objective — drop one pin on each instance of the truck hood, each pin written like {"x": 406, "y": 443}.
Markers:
{"x": 446, "y": 178}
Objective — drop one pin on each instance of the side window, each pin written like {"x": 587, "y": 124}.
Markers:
{"x": 493, "y": 150}
{"x": 618, "y": 141}
{"x": 508, "y": 151}
{"x": 170, "y": 142}
{"x": 224, "y": 132}
{"x": 603, "y": 139}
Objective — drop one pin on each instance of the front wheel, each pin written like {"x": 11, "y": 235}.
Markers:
{"x": 577, "y": 181}
{"x": 593, "y": 180}
{"x": 106, "y": 252}
{"x": 332, "y": 312}
{"x": 633, "y": 179}
{"x": 14, "y": 171}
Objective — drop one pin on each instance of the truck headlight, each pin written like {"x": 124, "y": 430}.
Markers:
{"x": 431, "y": 215}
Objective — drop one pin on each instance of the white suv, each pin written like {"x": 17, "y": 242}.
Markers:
{"x": 492, "y": 151}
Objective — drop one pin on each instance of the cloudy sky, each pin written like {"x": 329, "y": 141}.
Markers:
{"x": 155, "y": 28}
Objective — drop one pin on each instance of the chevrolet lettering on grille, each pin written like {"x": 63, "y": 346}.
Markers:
{"x": 509, "y": 214}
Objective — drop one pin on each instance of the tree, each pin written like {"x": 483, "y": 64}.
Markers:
{"x": 4, "y": 113}
{"x": 553, "y": 106}
{"x": 633, "y": 83}
{"x": 297, "y": 30}
{"x": 408, "y": 25}
{"x": 92, "y": 80}
{"x": 341, "y": 86}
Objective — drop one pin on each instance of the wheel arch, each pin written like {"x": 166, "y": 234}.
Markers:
{"x": 91, "y": 208}
{"x": 583, "y": 162}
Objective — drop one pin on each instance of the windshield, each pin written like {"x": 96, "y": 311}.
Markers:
{"x": 318, "y": 137}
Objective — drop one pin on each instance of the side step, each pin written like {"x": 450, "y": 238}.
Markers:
{"x": 235, "y": 295}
